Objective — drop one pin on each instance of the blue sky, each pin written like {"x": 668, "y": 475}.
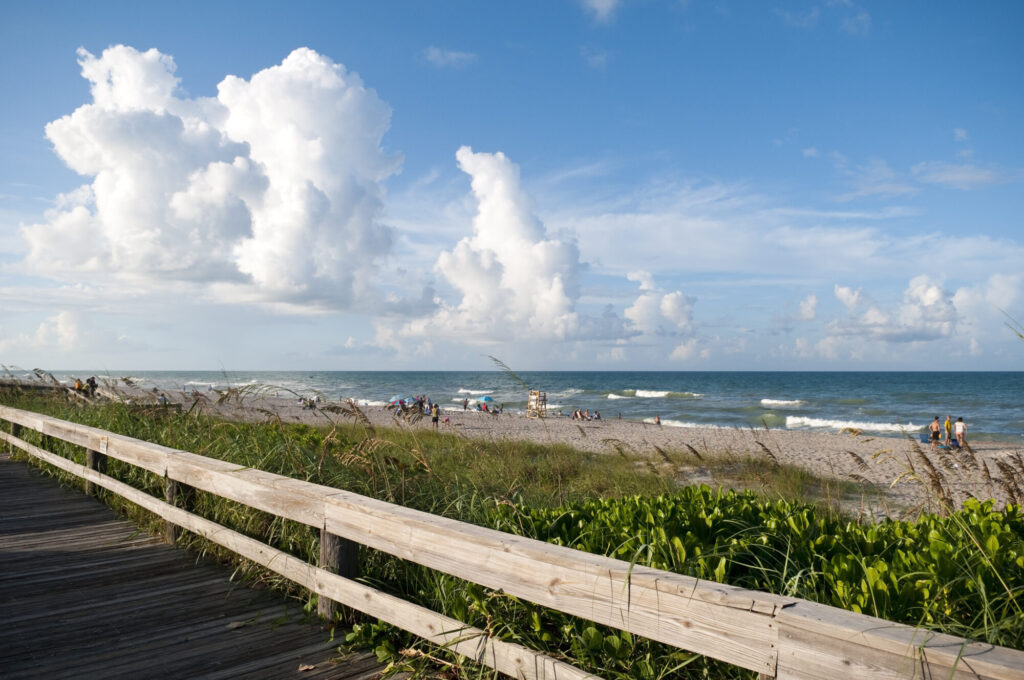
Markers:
{"x": 577, "y": 184}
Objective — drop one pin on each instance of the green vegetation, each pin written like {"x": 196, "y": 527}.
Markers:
{"x": 962, "y": 573}
{"x": 941, "y": 572}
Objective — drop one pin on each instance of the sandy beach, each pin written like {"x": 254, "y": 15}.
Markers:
{"x": 692, "y": 454}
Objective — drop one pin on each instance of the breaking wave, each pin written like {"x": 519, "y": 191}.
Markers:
{"x": 668, "y": 422}
{"x": 822, "y": 423}
{"x": 781, "y": 402}
{"x": 654, "y": 394}
{"x": 651, "y": 394}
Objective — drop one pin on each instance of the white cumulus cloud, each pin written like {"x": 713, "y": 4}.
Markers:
{"x": 655, "y": 312}
{"x": 512, "y": 279}
{"x": 926, "y": 312}
{"x": 689, "y": 349}
{"x": 60, "y": 333}
{"x": 849, "y": 297}
{"x": 272, "y": 189}
{"x": 808, "y": 308}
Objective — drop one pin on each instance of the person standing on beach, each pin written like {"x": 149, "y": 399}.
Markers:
{"x": 961, "y": 431}
{"x": 935, "y": 429}
{"x": 465, "y": 404}
{"x": 435, "y": 414}
{"x": 948, "y": 425}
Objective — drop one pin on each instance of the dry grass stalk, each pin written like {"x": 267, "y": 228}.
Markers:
{"x": 861, "y": 463}
{"x": 936, "y": 480}
{"x": 620, "y": 446}
{"x": 1009, "y": 482}
{"x": 665, "y": 457}
{"x": 696, "y": 454}
{"x": 768, "y": 452}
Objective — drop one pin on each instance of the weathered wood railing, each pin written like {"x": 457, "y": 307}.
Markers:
{"x": 778, "y": 637}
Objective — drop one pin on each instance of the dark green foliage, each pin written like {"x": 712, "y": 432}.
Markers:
{"x": 962, "y": 574}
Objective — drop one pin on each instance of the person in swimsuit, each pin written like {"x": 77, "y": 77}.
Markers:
{"x": 961, "y": 431}
{"x": 935, "y": 429}
{"x": 948, "y": 425}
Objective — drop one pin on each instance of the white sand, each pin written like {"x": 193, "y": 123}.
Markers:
{"x": 828, "y": 455}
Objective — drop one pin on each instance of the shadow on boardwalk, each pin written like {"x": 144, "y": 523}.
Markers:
{"x": 84, "y": 594}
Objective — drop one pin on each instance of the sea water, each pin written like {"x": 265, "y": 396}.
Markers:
{"x": 881, "y": 403}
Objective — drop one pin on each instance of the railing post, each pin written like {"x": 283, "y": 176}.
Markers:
{"x": 15, "y": 432}
{"x": 94, "y": 460}
{"x": 339, "y": 556}
{"x": 171, "y": 530}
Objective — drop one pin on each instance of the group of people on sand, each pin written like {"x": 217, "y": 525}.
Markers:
{"x": 956, "y": 433}
{"x": 310, "y": 404}
{"x": 585, "y": 415}
{"x": 484, "y": 406}
{"x": 87, "y": 387}
{"x": 435, "y": 416}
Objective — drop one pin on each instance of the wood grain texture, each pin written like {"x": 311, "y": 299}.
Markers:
{"x": 338, "y": 556}
{"x": 510, "y": 659}
{"x": 859, "y": 646}
{"x": 171, "y": 531}
{"x": 94, "y": 460}
{"x": 83, "y": 594}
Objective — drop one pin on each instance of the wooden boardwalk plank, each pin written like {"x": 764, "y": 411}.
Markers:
{"x": 84, "y": 594}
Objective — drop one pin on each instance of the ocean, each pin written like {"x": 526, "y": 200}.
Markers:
{"x": 881, "y": 403}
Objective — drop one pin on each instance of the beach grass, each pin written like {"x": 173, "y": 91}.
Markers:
{"x": 792, "y": 536}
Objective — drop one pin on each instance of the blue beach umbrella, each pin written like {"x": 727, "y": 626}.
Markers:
{"x": 396, "y": 399}
{"x": 486, "y": 399}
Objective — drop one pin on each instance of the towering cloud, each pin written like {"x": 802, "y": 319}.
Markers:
{"x": 273, "y": 187}
{"x": 512, "y": 279}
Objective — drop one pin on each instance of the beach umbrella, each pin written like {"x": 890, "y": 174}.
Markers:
{"x": 486, "y": 399}
{"x": 396, "y": 399}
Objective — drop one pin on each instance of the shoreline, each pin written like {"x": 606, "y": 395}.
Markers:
{"x": 870, "y": 461}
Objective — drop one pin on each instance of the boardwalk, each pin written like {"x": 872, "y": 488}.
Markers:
{"x": 83, "y": 594}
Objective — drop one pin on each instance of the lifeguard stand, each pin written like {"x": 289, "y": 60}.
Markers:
{"x": 537, "y": 405}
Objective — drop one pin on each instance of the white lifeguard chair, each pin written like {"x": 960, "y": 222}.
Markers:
{"x": 537, "y": 405}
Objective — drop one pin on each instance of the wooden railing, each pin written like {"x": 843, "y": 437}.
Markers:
{"x": 778, "y": 637}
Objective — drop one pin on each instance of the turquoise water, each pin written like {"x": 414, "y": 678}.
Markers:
{"x": 882, "y": 403}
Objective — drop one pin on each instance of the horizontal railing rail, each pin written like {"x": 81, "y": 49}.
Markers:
{"x": 778, "y": 637}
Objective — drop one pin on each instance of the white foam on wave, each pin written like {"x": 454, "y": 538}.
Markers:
{"x": 781, "y": 402}
{"x": 668, "y": 422}
{"x": 651, "y": 394}
{"x": 465, "y": 391}
{"x": 662, "y": 394}
{"x": 800, "y": 421}
{"x": 618, "y": 396}
{"x": 368, "y": 402}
